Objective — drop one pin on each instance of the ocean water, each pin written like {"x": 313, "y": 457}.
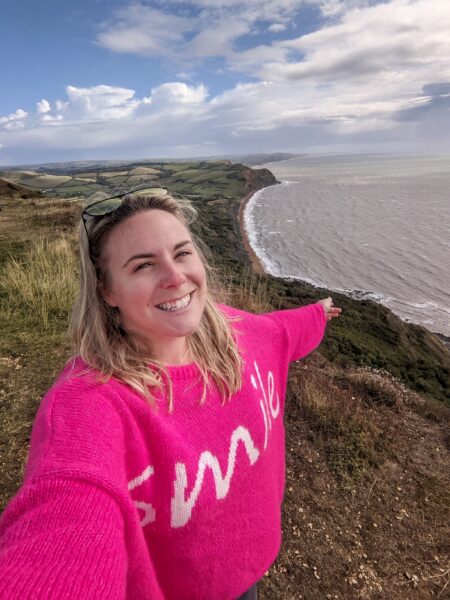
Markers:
{"x": 370, "y": 226}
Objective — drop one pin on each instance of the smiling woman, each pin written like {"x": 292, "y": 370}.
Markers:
{"x": 156, "y": 464}
{"x": 136, "y": 260}
{"x": 155, "y": 278}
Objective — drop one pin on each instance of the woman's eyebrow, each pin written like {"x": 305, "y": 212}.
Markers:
{"x": 152, "y": 255}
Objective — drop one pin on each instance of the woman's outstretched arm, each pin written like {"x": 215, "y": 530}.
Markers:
{"x": 62, "y": 538}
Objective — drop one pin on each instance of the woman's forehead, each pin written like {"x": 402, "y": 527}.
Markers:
{"x": 156, "y": 229}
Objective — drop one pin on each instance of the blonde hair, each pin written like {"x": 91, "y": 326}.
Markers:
{"x": 103, "y": 343}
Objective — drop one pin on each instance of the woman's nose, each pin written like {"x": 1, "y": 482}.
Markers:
{"x": 172, "y": 275}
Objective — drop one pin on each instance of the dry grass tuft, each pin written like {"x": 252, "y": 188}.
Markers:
{"x": 250, "y": 292}
{"x": 377, "y": 386}
{"x": 43, "y": 283}
{"x": 338, "y": 422}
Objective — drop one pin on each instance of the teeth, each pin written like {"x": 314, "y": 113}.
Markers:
{"x": 179, "y": 304}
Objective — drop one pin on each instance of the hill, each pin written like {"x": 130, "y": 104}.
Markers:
{"x": 260, "y": 158}
{"x": 11, "y": 190}
{"x": 206, "y": 179}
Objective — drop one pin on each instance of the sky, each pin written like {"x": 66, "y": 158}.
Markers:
{"x": 118, "y": 79}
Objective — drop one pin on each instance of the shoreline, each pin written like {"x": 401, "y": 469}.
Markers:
{"x": 258, "y": 267}
{"x": 255, "y": 262}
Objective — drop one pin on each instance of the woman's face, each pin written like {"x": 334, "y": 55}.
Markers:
{"x": 155, "y": 277}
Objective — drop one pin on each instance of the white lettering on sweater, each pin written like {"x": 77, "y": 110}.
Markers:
{"x": 149, "y": 511}
{"x": 269, "y": 411}
{"x": 146, "y": 473}
{"x": 181, "y": 508}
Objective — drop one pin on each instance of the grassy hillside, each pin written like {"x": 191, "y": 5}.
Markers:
{"x": 209, "y": 179}
{"x": 10, "y": 190}
{"x": 367, "y": 496}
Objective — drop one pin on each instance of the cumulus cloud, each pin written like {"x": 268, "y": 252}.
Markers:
{"x": 168, "y": 94}
{"x": 43, "y": 107}
{"x": 99, "y": 102}
{"x": 14, "y": 120}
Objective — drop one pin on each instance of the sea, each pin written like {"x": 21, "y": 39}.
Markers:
{"x": 370, "y": 226}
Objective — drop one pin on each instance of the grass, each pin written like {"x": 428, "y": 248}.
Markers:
{"x": 41, "y": 285}
{"x": 249, "y": 292}
{"x": 144, "y": 171}
{"x": 338, "y": 421}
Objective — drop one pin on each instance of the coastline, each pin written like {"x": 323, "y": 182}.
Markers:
{"x": 258, "y": 268}
{"x": 255, "y": 262}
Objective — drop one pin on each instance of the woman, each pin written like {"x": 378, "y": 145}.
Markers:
{"x": 156, "y": 465}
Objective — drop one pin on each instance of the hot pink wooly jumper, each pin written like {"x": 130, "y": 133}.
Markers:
{"x": 120, "y": 501}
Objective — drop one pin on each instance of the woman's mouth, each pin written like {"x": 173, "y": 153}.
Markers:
{"x": 177, "y": 304}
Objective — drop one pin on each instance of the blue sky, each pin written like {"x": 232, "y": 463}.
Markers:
{"x": 168, "y": 78}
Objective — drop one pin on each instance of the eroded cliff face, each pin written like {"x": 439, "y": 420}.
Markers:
{"x": 257, "y": 179}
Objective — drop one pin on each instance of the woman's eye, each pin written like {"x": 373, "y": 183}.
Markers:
{"x": 183, "y": 253}
{"x": 143, "y": 266}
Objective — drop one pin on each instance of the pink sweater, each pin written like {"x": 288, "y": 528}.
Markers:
{"x": 122, "y": 501}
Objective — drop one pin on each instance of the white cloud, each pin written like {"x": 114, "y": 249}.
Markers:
{"x": 43, "y": 107}
{"x": 210, "y": 30}
{"x": 139, "y": 29}
{"x": 51, "y": 118}
{"x": 14, "y": 120}
{"x": 101, "y": 102}
{"x": 392, "y": 37}
{"x": 168, "y": 94}
{"x": 60, "y": 105}
{"x": 14, "y": 125}
{"x": 277, "y": 27}
{"x": 217, "y": 40}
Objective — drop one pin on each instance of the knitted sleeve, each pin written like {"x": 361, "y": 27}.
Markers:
{"x": 303, "y": 328}
{"x": 62, "y": 538}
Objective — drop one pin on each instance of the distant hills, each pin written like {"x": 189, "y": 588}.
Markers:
{"x": 83, "y": 165}
{"x": 205, "y": 179}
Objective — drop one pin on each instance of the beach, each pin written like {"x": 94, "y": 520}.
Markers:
{"x": 255, "y": 262}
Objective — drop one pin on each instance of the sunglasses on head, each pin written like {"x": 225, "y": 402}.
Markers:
{"x": 106, "y": 206}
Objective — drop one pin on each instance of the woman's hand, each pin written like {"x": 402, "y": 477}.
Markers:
{"x": 330, "y": 311}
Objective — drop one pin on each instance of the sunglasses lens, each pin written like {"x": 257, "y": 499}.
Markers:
{"x": 103, "y": 207}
